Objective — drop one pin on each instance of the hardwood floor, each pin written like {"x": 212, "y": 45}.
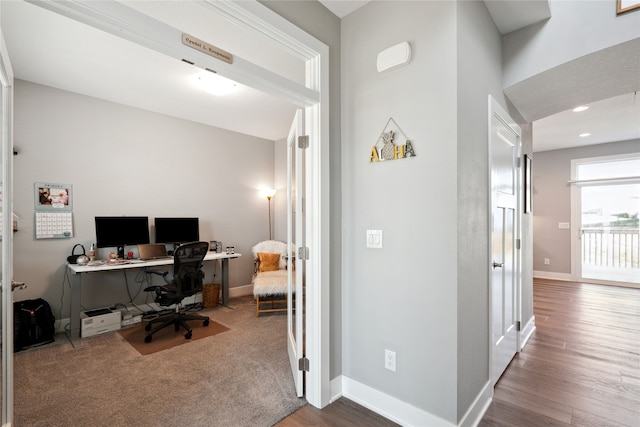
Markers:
{"x": 341, "y": 413}
{"x": 581, "y": 366}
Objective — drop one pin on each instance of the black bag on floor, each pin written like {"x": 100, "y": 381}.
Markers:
{"x": 33, "y": 324}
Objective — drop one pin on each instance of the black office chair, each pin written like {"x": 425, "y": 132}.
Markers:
{"x": 187, "y": 281}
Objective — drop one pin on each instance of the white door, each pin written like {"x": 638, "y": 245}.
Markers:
{"x": 504, "y": 150}
{"x": 296, "y": 241}
{"x": 6, "y": 183}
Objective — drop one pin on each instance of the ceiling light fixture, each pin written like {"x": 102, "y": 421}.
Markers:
{"x": 215, "y": 84}
{"x": 584, "y": 135}
{"x": 580, "y": 108}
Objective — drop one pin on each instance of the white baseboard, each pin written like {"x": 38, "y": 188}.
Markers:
{"x": 240, "y": 291}
{"x": 527, "y": 331}
{"x": 479, "y": 406}
{"x": 335, "y": 389}
{"x": 387, "y": 406}
{"x": 553, "y": 276}
{"x": 402, "y": 412}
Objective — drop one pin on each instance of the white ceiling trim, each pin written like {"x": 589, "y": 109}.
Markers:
{"x": 124, "y": 22}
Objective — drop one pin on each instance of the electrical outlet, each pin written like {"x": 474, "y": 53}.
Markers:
{"x": 547, "y": 261}
{"x": 390, "y": 360}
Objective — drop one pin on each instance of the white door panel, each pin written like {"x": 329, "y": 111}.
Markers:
{"x": 504, "y": 149}
{"x": 295, "y": 241}
{"x": 6, "y": 190}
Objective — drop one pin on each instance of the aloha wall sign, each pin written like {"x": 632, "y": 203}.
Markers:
{"x": 389, "y": 145}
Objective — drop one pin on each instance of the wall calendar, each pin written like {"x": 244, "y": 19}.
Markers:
{"x": 54, "y": 211}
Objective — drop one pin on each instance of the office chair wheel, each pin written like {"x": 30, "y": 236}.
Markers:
{"x": 147, "y": 327}
{"x": 187, "y": 335}
{"x": 205, "y": 323}
{"x": 148, "y": 338}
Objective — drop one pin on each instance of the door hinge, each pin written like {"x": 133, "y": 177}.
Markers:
{"x": 303, "y": 253}
{"x": 303, "y": 141}
{"x": 303, "y": 364}
{"x": 518, "y": 326}
{"x": 517, "y": 243}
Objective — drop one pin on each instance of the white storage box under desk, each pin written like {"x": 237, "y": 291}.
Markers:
{"x": 99, "y": 321}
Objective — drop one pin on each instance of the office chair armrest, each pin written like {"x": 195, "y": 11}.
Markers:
{"x": 159, "y": 273}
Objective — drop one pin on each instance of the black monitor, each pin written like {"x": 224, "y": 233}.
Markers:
{"x": 118, "y": 231}
{"x": 177, "y": 230}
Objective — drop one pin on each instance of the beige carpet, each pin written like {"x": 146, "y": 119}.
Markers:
{"x": 168, "y": 337}
{"x": 237, "y": 378}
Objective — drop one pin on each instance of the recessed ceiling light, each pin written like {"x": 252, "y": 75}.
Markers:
{"x": 215, "y": 84}
{"x": 580, "y": 108}
{"x": 584, "y": 135}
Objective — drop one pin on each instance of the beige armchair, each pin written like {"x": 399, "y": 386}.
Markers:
{"x": 270, "y": 276}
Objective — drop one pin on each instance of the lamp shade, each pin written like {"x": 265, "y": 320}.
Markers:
{"x": 269, "y": 192}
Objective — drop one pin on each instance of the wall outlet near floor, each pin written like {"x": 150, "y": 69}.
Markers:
{"x": 547, "y": 261}
{"x": 390, "y": 360}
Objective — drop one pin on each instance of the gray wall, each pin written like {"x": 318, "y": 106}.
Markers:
{"x": 576, "y": 28}
{"x": 431, "y": 278}
{"x": 552, "y": 201}
{"x": 315, "y": 19}
{"x": 479, "y": 74}
{"x": 402, "y": 297}
{"x": 125, "y": 161}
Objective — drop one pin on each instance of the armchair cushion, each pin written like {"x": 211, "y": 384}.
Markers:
{"x": 272, "y": 247}
{"x": 268, "y": 262}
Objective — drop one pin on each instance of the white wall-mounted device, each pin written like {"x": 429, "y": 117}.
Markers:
{"x": 394, "y": 57}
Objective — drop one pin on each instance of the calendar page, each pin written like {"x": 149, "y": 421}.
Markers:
{"x": 54, "y": 225}
{"x": 54, "y": 211}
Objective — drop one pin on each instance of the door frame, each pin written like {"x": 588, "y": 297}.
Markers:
{"x": 313, "y": 96}
{"x": 496, "y": 108}
{"x": 6, "y": 186}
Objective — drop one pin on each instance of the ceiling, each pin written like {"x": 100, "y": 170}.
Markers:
{"x": 53, "y": 50}
{"x": 50, "y": 49}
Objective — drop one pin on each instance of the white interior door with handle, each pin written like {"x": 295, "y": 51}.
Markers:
{"x": 504, "y": 151}
{"x": 6, "y": 187}
{"x": 296, "y": 247}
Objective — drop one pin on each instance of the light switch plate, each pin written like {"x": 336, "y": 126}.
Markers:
{"x": 374, "y": 239}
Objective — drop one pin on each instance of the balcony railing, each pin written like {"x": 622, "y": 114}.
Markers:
{"x": 611, "y": 247}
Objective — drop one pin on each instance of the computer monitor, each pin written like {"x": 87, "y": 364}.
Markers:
{"x": 118, "y": 231}
{"x": 177, "y": 230}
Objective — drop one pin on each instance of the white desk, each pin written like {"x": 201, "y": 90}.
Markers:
{"x": 77, "y": 271}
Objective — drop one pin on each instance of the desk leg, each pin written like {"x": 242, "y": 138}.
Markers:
{"x": 225, "y": 281}
{"x": 74, "y": 315}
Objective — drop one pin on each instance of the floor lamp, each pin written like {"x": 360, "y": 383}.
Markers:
{"x": 269, "y": 193}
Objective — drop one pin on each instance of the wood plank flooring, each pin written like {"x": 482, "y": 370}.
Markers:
{"x": 341, "y": 413}
{"x": 581, "y": 367}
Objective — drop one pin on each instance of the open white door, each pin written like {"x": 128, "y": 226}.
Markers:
{"x": 504, "y": 151}
{"x": 6, "y": 187}
{"x": 296, "y": 245}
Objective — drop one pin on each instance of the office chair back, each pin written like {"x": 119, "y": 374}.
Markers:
{"x": 187, "y": 268}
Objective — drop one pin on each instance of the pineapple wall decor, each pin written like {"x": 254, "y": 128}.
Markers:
{"x": 389, "y": 147}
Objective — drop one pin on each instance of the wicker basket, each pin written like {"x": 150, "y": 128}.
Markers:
{"x": 210, "y": 295}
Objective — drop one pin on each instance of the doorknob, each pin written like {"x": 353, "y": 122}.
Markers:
{"x": 15, "y": 285}
{"x": 498, "y": 264}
